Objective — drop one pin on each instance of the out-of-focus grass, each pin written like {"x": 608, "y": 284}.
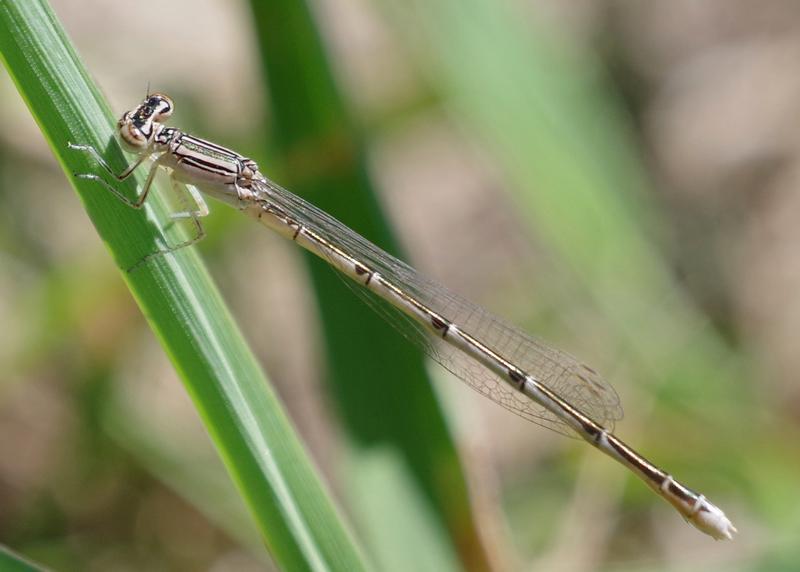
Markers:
{"x": 378, "y": 379}
{"x": 552, "y": 122}
{"x": 296, "y": 519}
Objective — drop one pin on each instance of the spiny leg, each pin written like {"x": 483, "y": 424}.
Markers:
{"x": 99, "y": 158}
{"x": 201, "y": 211}
{"x": 137, "y": 204}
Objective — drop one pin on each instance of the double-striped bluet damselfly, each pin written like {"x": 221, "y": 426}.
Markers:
{"x": 496, "y": 359}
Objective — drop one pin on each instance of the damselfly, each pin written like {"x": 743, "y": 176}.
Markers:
{"x": 503, "y": 363}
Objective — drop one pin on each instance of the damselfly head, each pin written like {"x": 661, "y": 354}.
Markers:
{"x": 139, "y": 127}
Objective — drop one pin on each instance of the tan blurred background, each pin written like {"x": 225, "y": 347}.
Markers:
{"x": 711, "y": 96}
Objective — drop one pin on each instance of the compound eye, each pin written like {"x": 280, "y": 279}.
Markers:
{"x": 126, "y": 117}
{"x": 161, "y": 105}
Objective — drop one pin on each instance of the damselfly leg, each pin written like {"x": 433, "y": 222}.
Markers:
{"x": 200, "y": 207}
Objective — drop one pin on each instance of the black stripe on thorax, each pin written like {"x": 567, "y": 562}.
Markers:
{"x": 218, "y": 168}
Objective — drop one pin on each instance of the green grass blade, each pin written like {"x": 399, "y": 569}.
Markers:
{"x": 12, "y": 562}
{"x": 255, "y": 439}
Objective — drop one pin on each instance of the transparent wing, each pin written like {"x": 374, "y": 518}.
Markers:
{"x": 578, "y": 384}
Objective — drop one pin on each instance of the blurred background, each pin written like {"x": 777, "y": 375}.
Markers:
{"x": 616, "y": 177}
